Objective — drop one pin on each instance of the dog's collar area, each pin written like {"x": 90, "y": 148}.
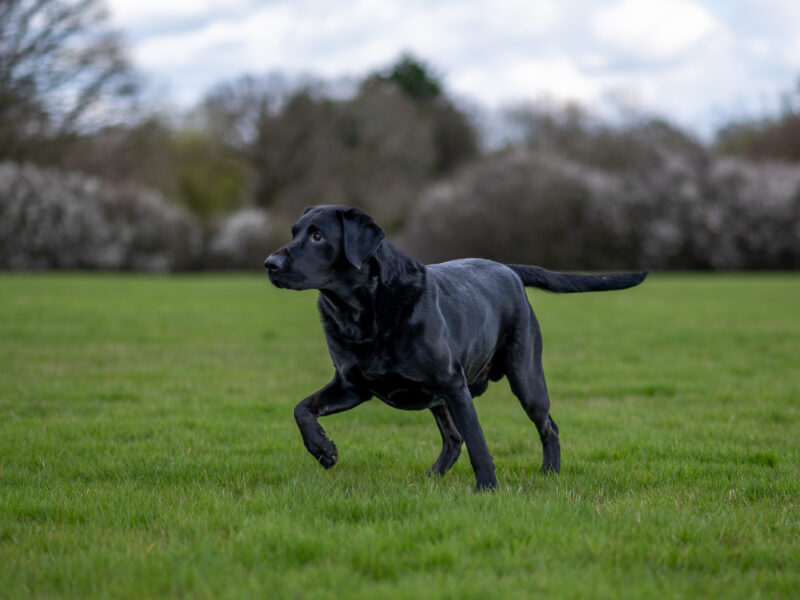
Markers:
{"x": 350, "y": 321}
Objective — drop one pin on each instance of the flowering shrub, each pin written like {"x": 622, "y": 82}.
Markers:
{"x": 50, "y": 219}
{"x": 243, "y": 240}
{"x": 677, "y": 210}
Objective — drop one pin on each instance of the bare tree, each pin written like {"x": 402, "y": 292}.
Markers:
{"x": 233, "y": 110}
{"x": 60, "y": 65}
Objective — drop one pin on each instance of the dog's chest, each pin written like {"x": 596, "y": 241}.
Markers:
{"x": 394, "y": 389}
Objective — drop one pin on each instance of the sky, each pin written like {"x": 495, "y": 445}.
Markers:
{"x": 699, "y": 63}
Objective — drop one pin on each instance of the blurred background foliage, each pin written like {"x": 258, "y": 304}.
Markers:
{"x": 94, "y": 176}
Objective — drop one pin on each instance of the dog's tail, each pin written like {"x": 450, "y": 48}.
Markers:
{"x": 553, "y": 281}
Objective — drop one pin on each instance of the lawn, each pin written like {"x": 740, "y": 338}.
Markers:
{"x": 148, "y": 448}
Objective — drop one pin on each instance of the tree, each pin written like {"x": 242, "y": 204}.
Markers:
{"x": 304, "y": 144}
{"x": 776, "y": 138}
{"x": 454, "y": 136}
{"x": 211, "y": 177}
{"x": 415, "y": 78}
{"x": 762, "y": 140}
{"x": 232, "y": 111}
{"x": 60, "y": 65}
{"x": 374, "y": 151}
{"x": 574, "y": 132}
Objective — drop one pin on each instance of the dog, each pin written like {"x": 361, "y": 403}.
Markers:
{"x": 421, "y": 336}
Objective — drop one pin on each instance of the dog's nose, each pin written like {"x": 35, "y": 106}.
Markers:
{"x": 274, "y": 263}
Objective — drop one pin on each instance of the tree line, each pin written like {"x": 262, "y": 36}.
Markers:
{"x": 93, "y": 177}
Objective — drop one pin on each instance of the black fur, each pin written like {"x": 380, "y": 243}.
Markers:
{"x": 421, "y": 337}
{"x": 575, "y": 282}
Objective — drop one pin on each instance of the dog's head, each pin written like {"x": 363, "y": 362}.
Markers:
{"x": 328, "y": 244}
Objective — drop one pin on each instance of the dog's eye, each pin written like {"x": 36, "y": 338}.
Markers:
{"x": 317, "y": 236}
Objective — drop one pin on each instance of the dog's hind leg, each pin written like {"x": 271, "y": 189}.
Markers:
{"x": 451, "y": 440}
{"x": 526, "y": 376}
{"x": 531, "y": 390}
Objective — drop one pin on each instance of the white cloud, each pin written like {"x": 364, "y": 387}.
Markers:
{"x": 520, "y": 16}
{"x": 333, "y": 39}
{"x": 681, "y": 57}
{"x": 793, "y": 53}
{"x": 656, "y": 30}
{"x": 136, "y": 13}
{"x": 527, "y": 79}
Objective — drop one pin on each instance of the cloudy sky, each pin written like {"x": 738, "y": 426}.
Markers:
{"x": 698, "y": 62}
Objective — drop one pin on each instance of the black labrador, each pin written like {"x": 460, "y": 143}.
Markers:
{"x": 421, "y": 336}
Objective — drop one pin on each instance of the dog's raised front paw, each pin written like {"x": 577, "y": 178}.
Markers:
{"x": 327, "y": 455}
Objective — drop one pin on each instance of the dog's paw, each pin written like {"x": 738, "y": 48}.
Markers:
{"x": 328, "y": 455}
{"x": 488, "y": 484}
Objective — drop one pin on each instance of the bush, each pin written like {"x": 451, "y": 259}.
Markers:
{"x": 752, "y": 217}
{"x": 519, "y": 207}
{"x": 677, "y": 210}
{"x": 243, "y": 240}
{"x": 50, "y": 219}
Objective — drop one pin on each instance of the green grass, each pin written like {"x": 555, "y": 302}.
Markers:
{"x": 148, "y": 448}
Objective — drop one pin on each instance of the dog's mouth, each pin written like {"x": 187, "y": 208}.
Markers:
{"x": 287, "y": 280}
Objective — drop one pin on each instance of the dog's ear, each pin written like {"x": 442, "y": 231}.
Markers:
{"x": 309, "y": 209}
{"x": 360, "y": 235}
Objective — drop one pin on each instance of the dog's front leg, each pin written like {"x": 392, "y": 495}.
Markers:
{"x": 459, "y": 401}
{"x": 333, "y": 398}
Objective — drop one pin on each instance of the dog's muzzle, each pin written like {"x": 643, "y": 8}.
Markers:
{"x": 275, "y": 263}
{"x": 280, "y": 273}
{"x": 275, "y": 266}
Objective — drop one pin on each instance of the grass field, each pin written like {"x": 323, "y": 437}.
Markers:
{"x": 148, "y": 448}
